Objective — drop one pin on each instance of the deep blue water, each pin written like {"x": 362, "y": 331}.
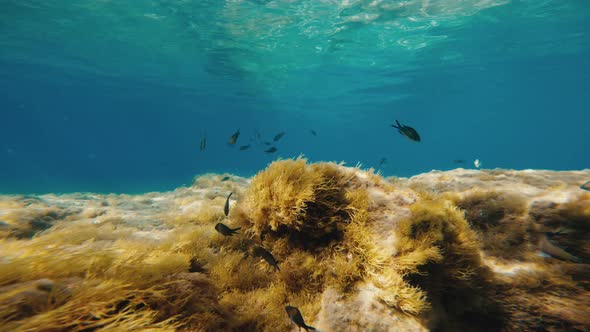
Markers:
{"x": 114, "y": 98}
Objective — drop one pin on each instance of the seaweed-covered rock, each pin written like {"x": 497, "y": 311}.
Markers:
{"x": 307, "y": 203}
{"x": 446, "y": 251}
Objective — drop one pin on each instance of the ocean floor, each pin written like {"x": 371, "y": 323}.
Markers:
{"x": 461, "y": 250}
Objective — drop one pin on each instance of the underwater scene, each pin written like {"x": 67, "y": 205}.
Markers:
{"x": 294, "y": 165}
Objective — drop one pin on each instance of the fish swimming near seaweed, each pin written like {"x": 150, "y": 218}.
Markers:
{"x": 297, "y": 318}
{"x": 585, "y": 186}
{"x": 549, "y": 248}
{"x": 271, "y": 150}
{"x": 383, "y": 161}
{"x": 225, "y": 178}
{"x": 408, "y": 132}
{"x": 226, "y": 207}
{"x": 244, "y": 147}
{"x": 266, "y": 255}
{"x": 226, "y": 231}
{"x": 560, "y": 231}
{"x": 278, "y": 136}
{"x": 203, "y": 143}
{"x": 234, "y": 138}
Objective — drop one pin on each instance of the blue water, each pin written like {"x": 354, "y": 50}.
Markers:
{"x": 115, "y": 96}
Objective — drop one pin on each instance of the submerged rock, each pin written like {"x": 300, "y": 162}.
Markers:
{"x": 447, "y": 251}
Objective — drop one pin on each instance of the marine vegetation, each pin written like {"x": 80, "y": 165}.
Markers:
{"x": 498, "y": 218}
{"x": 290, "y": 198}
{"x": 438, "y": 254}
{"x": 311, "y": 235}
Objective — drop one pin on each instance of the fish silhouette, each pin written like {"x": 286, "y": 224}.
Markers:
{"x": 226, "y": 207}
{"x": 297, "y": 318}
{"x": 266, "y": 255}
{"x": 278, "y": 136}
{"x": 203, "y": 143}
{"x": 234, "y": 137}
{"x": 224, "y": 230}
{"x": 408, "y": 132}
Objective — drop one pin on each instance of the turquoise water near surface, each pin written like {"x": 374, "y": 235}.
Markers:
{"x": 115, "y": 96}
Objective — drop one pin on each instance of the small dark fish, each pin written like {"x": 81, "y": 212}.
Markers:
{"x": 225, "y": 178}
{"x": 203, "y": 143}
{"x": 409, "y": 132}
{"x": 267, "y": 143}
{"x": 244, "y": 147}
{"x": 313, "y": 132}
{"x": 459, "y": 161}
{"x": 585, "y": 186}
{"x": 549, "y": 248}
{"x": 266, "y": 255}
{"x": 234, "y": 137}
{"x": 559, "y": 231}
{"x": 383, "y": 161}
{"x": 271, "y": 150}
{"x": 226, "y": 207}
{"x": 278, "y": 136}
{"x": 226, "y": 231}
{"x": 297, "y": 318}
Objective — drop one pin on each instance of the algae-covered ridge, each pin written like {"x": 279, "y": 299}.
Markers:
{"x": 446, "y": 251}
